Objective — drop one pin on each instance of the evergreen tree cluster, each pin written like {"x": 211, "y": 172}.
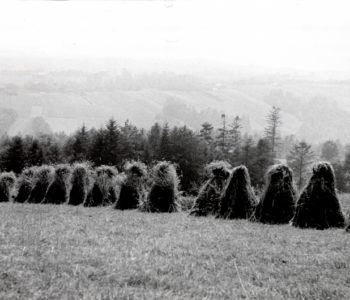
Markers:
{"x": 189, "y": 150}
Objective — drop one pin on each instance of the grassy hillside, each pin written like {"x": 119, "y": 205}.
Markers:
{"x": 61, "y": 252}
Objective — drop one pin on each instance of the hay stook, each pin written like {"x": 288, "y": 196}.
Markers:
{"x": 207, "y": 201}
{"x": 318, "y": 205}
{"x": 103, "y": 190}
{"x": 277, "y": 203}
{"x": 7, "y": 184}
{"x": 238, "y": 199}
{"x": 24, "y": 185}
{"x": 58, "y": 190}
{"x": 80, "y": 181}
{"x": 164, "y": 190}
{"x": 42, "y": 178}
{"x": 132, "y": 189}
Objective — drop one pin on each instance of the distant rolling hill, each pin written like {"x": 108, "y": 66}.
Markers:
{"x": 312, "y": 110}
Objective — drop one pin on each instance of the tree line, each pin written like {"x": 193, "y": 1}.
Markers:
{"x": 189, "y": 150}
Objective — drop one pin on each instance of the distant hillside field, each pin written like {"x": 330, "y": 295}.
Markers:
{"x": 313, "y": 110}
{"x": 64, "y": 252}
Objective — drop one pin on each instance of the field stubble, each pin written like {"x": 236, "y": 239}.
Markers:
{"x": 64, "y": 252}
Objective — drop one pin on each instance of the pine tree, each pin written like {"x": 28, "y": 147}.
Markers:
{"x": 206, "y": 133}
{"x": 13, "y": 157}
{"x": 35, "y": 155}
{"x": 235, "y": 132}
{"x": 235, "y": 139}
{"x": 111, "y": 144}
{"x": 131, "y": 141}
{"x": 97, "y": 149}
{"x": 80, "y": 144}
{"x": 222, "y": 140}
{"x": 187, "y": 153}
{"x": 272, "y": 129}
{"x": 164, "y": 145}
{"x": 247, "y": 151}
{"x": 153, "y": 141}
{"x": 299, "y": 158}
{"x": 261, "y": 162}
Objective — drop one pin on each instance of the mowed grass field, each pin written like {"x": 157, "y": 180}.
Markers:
{"x": 64, "y": 252}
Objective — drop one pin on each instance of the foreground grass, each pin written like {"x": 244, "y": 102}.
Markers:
{"x": 61, "y": 252}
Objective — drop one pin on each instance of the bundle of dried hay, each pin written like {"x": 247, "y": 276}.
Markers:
{"x": 164, "y": 190}
{"x": 42, "y": 178}
{"x": 277, "y": 203}
{"x": 132, "y": 189}
{"x": 80, "y": 181}
{"x": 58, "y": 190}
{"x": 24, "y": 185}
{"x": 237, "y": 200}
{"x": 318, "y": 205}
{"x": 7, "y": 184}
{"x": 207, "y": 201}
{"x": 103, "y": 190}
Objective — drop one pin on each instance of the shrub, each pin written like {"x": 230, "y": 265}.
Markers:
{"x": 132, "y": 188}
{"x": 207, "y": 201}
{"x": 277, "y": 203}
{"x": 7, "y": 183}
{"x": 24, "y": 185}
{"x": 318, "y": 205}
{"x": 42, "y": 178}
{"x": 80, "y": 181}
{"x": 58, "y": 190}
{"x": 164, "y": 190}
{"x": 103, "y": 190}
{"x": 237, "y": 200}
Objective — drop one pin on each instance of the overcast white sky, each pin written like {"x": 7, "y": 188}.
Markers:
{"x": 307, "y": 34}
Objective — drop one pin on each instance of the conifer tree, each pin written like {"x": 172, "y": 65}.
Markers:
{"x": 35, "y": 155}
{"x": 80, "y": 144}
{"x": 206, "y": 133}
{"x": 299, "y": 158}
{"x": 13, "y": 157}
{"x": 164, "y": 144}
{"x": 153, "y": 141}
{"x": 222, "y": 140}
{"x": 272, "y": 129}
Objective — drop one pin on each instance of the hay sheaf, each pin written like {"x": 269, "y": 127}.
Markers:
{"x": 164, "y": 190}
{"x": 80, "y": 181}
{"x": 7, "y": 183}
{"x": 24, "y": 185}
{"x": 103, "y": 191}
{"x": 277, "y": 203}
{"x": 207, "y": 201}
{"x": 132, "y": 189}
{"x": 42, "y": 178}
{"x": 318, "y": 205}
{"x": 58, "y": 190}
{"x": 237, "y": 200}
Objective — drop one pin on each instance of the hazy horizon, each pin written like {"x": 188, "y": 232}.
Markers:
{"x": 310, "y": 36}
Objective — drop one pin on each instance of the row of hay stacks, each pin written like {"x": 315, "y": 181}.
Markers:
{"x": 226, "y": 194}
{"x": 229, "y": 195}
{"x": 154, "y": 191}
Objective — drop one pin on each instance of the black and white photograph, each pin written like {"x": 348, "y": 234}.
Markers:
{"x": 174, "y": 149}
